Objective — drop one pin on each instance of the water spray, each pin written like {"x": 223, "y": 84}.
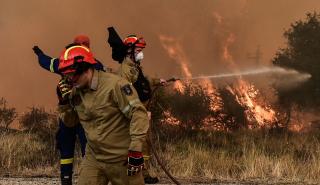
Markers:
{"x": 259, "y": 71}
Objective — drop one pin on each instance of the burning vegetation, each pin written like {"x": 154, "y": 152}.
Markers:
{"x": 235, "y": 105}
{"x": 207, "y": 129}
{"x": 230, "y": 107}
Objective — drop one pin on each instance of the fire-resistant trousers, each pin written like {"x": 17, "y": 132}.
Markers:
{"x": 101, "y": 173}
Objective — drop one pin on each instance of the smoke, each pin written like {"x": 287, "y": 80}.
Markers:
{"x": 200, "y": 27}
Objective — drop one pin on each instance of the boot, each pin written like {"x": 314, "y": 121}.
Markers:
{"x": 151, "y": 180}
{"x": 66, "y": 179}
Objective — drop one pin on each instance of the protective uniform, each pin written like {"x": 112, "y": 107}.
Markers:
{"x": 133, "y": 73}
{"x": 66, "y": 136}
{"x": 114, "y": 121}
{"x": 130, "y": 71}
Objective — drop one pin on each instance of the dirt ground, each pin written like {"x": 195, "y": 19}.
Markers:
{"x": 55, "y": 181}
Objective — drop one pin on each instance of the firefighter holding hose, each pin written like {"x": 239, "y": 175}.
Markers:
{"x": 130, "y": 69}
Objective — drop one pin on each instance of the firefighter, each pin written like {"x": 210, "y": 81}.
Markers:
{"x": 131, "y": 70}
{"x": 66, "y": 136}
{"x": 114, "y": 120}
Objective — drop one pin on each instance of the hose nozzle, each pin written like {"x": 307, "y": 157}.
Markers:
{"x": 173, "y": 79}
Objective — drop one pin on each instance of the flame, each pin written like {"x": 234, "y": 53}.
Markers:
{"x": 217, "y": 17}
{"x": 170, "y": 119}
{"x": 226, "y": 53}
{"x": 208, "y": 86}
{"x": 303, "y": 120}
{"x": 258, "y": 113}
{"x": 176, "y": 52}
{"x": 246, "y": 94}
{"x": 178, "y": 86}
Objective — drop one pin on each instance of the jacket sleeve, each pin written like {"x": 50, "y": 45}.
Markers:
{"x": 128, "y": 102}
{"x": 48, "y": 63}
{"x": 68, "y": 115}
{"x": 128, "y": 71}
{"x": 153, "y": 81}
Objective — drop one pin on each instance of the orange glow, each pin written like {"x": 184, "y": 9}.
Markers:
{"x": 217, "y": 17}
{"x": 178, "y": 86}
{"x": 226, "y": 53}
{"x": 258, "y": 112}
{"x": 169, "y": 119}
{"x": 176, "y": 52}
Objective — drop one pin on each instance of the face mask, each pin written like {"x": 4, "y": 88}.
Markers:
{"x": 138, "y": 56}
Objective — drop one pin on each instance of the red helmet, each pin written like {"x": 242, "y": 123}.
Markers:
{"x": 133, "y": 40}
{"x": 82, "y": 40}
{"x": 72, "y": 55}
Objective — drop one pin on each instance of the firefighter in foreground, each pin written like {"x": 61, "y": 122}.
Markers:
{"x": 114, "y": 120}
{"x": 131, "y": 69}
{"x": 66, "y": 136}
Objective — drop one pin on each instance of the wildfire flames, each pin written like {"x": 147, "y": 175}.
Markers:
{"x": 258, "y": 112}
{"x": 246, "y": 94}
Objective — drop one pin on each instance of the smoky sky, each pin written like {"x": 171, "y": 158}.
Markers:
{"x": 201, "y": 27}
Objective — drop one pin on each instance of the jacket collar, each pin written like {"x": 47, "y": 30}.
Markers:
{"x": 95, "y": 80}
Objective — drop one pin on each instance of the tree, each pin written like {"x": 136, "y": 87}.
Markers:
{"x": 302, "y": 53}
{"x": 37, "y": 119}
{"x": 7, "y": 114}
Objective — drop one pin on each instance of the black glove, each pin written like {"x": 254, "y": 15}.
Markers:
{"x": 64, "y": 90}
{"x": 37, "y": 50}
{"x": 135, "y": 163}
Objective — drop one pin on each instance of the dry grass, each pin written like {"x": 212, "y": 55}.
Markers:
{"x": 242, "y": 156}
{"x": 23, "y": 153}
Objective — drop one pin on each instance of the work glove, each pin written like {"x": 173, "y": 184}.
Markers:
{"x": 37, "y": 50}
{"x": 64, "y": 90}
{"x": 135, "y": 163}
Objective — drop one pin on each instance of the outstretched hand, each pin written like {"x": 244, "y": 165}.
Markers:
{"x": 37, "y": 50}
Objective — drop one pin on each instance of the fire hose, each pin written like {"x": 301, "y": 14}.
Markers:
{"x": 149, "y": 137}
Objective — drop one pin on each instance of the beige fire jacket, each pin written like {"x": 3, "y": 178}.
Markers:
{"x": 111, "y": 114}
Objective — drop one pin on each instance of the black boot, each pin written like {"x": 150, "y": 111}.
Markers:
{"x": 66, "y": 179}
{"x": 151, "y": 180}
